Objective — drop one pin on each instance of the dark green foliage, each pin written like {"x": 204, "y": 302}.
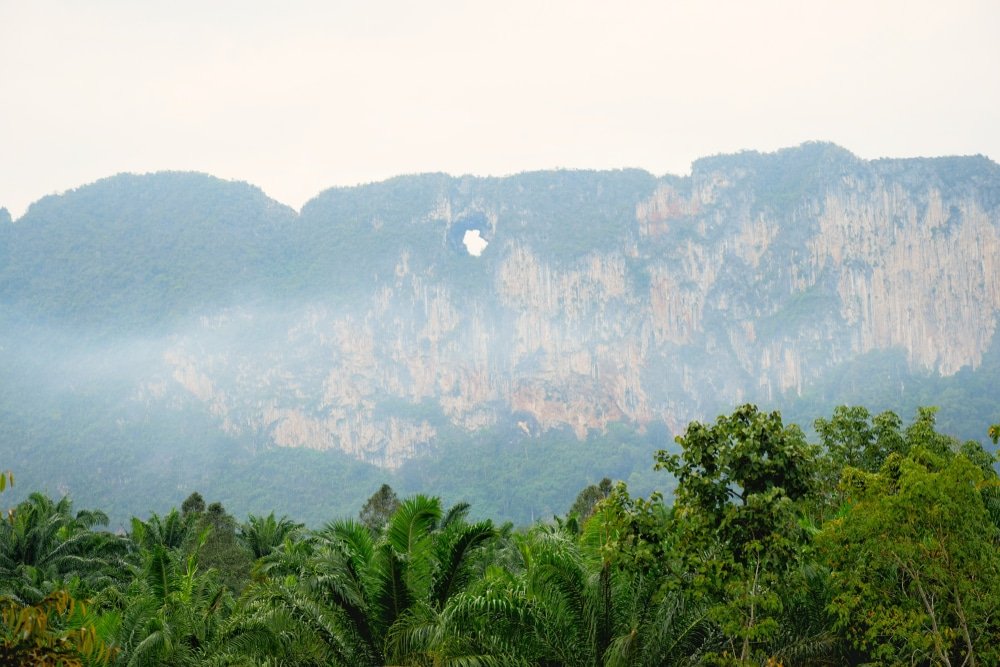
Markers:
{"x": 263, "y": 535}
{"x": 193, "y": 504}
{"x": 359, "y": 599}
{"x": 588, "y": 498}
{"x": 734, "y": 473}
{"x": 563, "y": 601}
{"x": 45, "y": 546}
{"x": 171, "y": 611}
{"x": 852, "y": 438}
{"x": 379, "y": 508}
{"x": 172, "y": 531}
{"x": 137, "y": 251}
{"x": 220, "y": 549}
{"x": 877, "y": 546}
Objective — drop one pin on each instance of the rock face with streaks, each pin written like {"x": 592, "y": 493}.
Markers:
{"x": 367, "y": 324}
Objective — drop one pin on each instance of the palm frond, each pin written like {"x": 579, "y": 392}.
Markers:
{"x": 454, "y": 549}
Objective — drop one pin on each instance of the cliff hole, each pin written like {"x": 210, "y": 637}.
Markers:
{"x": 468, "y": 234}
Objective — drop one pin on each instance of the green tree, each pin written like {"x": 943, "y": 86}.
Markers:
{"x": 349, "y": 598}
{"x": 172, "y": 610}
{"x": 740, "y": 486}
{"x": 55, "y": 632}
{"x": 193, "y": 504}
{"x": 262, "y": 535}
{"x": 574, "y": 600}
{"x": 588, "y": 498}
{"x": 173, "y": 530}
{"x": 221, "y": 549}
{"x": 44, "y": 546}
{"x": 379, "y": 508}
{"x": 915, "y": 560}
{"x": 852, "y": 437}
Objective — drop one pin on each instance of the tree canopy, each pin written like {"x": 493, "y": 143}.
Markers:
{"x": 877, "y": 545}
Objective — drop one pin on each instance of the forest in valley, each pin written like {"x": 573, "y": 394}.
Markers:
{"x": 873, "y": 542}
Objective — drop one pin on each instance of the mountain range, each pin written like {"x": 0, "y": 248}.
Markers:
{"x": 500, "y": 340}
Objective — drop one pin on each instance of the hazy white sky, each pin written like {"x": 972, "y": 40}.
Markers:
{"x": 299, "y": 96}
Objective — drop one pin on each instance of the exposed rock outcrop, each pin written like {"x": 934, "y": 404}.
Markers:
{"x": 751, "y": 277}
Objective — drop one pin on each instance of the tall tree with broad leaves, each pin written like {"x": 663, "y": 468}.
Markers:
{"x": 741, "y": 483}
{"x": 588, "y": 498}
{"x": 915, "y": 561}
{"x": 220, "y": 548}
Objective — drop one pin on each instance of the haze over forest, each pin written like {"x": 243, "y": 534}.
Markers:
{"x": 462, "y": 333}
{"x": 171, "y": 332}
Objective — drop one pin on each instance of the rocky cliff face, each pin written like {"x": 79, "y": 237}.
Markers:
{"x": 599, "y": 298}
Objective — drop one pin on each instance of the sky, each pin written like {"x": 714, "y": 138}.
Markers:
{"x": 299, "y": 96}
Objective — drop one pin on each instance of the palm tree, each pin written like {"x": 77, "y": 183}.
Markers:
{"x": 806, "y": 634}
{"x": 262, "y": 535}
{"x": 355, "y": 599}
{"x": 171, "y": 612}
{"x": 172, "y": 530}
{"x": 44, "y": 546}
{"x": 565, "y": 602}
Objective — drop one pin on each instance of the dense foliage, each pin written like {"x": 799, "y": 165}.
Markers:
{"x": 878, "y": 544}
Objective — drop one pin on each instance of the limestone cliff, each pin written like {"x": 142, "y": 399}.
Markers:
{"x": 600, "y": 297}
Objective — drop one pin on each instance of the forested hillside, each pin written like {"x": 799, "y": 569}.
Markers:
{"x": 499, "y": 340}
{"x": 875, "y": 543}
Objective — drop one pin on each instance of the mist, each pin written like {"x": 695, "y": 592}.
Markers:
{"x": 173, "y": 332}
